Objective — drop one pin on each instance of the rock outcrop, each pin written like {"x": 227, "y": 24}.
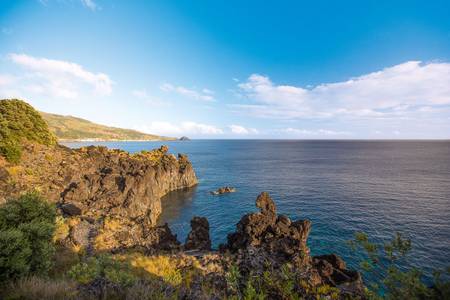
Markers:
{"x": 198, "y": 238}
{"x": 282, "y": 239}
{"x": 223, "y": 190}
{"x": 101, "y": 185}
{"x": 267, "y": 238}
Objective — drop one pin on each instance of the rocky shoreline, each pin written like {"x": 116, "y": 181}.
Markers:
{"x": 106, "y": 239}
{"x": 263, "y": 242}
{"x": 109, "y": 202}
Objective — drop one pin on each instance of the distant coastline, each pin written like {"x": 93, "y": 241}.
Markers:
{"x": 114, "y": 140}
{"x": 74, "y": 129}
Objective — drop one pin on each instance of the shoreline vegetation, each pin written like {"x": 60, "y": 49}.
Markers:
{"x": 74, "y": 129}
{"x": 82, "y": 224}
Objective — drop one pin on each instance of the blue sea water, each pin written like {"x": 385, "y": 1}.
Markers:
{"x": 378, "y": 187}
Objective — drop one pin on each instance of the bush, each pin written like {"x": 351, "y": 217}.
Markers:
{"x": 26, "y": 232}
{"x": 382, "y": 261}
{"x": 20, "y": 121}
{"x": 15, "y": 252}
{"x": 11, "y": 150}
{"x": 103, "y": 266}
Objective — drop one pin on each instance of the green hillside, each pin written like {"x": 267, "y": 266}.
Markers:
{"x": 72, "y": 128}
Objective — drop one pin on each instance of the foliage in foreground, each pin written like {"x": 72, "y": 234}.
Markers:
{"x": 381, "y": 261}
{"x": 27, "y": 236}
{"x": 20, "y": 121}
{"x": 26, "y": 232}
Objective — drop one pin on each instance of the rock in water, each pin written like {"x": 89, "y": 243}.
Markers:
{"x": 198, "y": 238}
{"x": 223, "y": 190}
{"x": 277, "y": 235}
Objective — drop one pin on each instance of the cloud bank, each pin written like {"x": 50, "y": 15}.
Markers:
{"x": 178, "y": 129}
{"x": 398, "y": 91}
{"x": 241, "y": 130}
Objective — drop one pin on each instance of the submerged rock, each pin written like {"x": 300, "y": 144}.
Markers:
{"x": 198, "y": 238}
{"x": 223, "y": 190}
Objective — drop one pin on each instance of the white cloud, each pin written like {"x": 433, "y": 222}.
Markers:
{"x": 154, "y": 101}
{"x": 392, "y": 92}
{"x": 90, "y": 4}
{"x": 183, "y": 128}
{"x": 6, "y": 79}
{"x": 59, "y": 78}
{"x": 316, "y": 132}
{"x": 237, "y": 129}
{"x": 204, "y": 95}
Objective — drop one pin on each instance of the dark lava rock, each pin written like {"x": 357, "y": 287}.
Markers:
{"x": 223, "y": 190}
{"x": 70, "y": 209}
{"x": 161, "y": 238}
{"x": 198, "y": 238}
{"x": 277, "y": 235}
{"x": 264, "y": 236}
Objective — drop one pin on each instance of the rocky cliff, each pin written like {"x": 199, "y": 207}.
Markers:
{"x": 98, "y": 187}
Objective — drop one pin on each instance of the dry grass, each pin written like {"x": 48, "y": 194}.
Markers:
{"x": 62, "y": 229}
{"x": 150, "y": 291}
{"x": 105, "y": 239}
{"x": 14, "y": 171}
{"x": 165, "y": 267}
{"x": 34, "y": 288}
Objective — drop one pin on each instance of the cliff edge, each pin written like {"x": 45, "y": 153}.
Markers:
{"x": 96, "y": 183}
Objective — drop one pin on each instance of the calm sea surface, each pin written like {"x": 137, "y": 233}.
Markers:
{"x": 378, "y": 187}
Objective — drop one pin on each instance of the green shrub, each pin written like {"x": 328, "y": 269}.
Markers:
{"x": 20, "y": 121}
{"x": 103, "y": 266}
{"x": 11, "y": 150}
{"x": 15, "y": 252}
{"x": 86, "y": 272}
{"x": 26, "y": 231}
{"x": 381, "y": 260}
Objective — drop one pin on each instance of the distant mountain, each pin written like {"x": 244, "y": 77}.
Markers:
{"x": 72, "y": 128}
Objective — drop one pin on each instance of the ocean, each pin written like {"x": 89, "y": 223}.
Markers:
{"x": 378, "y": 187}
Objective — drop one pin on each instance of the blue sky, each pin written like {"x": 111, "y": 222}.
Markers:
{"x": 234, "y": 69}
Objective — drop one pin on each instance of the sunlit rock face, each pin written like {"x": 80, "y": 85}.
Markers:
{"x": 102, "y": 186}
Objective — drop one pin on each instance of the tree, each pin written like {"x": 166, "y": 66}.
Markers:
{"x": 27, "y": 225}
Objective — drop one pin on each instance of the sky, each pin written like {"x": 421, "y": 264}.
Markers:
{"x": 234, "y": 69}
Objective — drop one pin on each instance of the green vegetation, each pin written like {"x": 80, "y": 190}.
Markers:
{"x": 72, "y": 128}
{"x": 381, "y": 261}
{"x": 26, "y": 237}
{"x": 19, "y": 121}
{"x": 103, "y": 266}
